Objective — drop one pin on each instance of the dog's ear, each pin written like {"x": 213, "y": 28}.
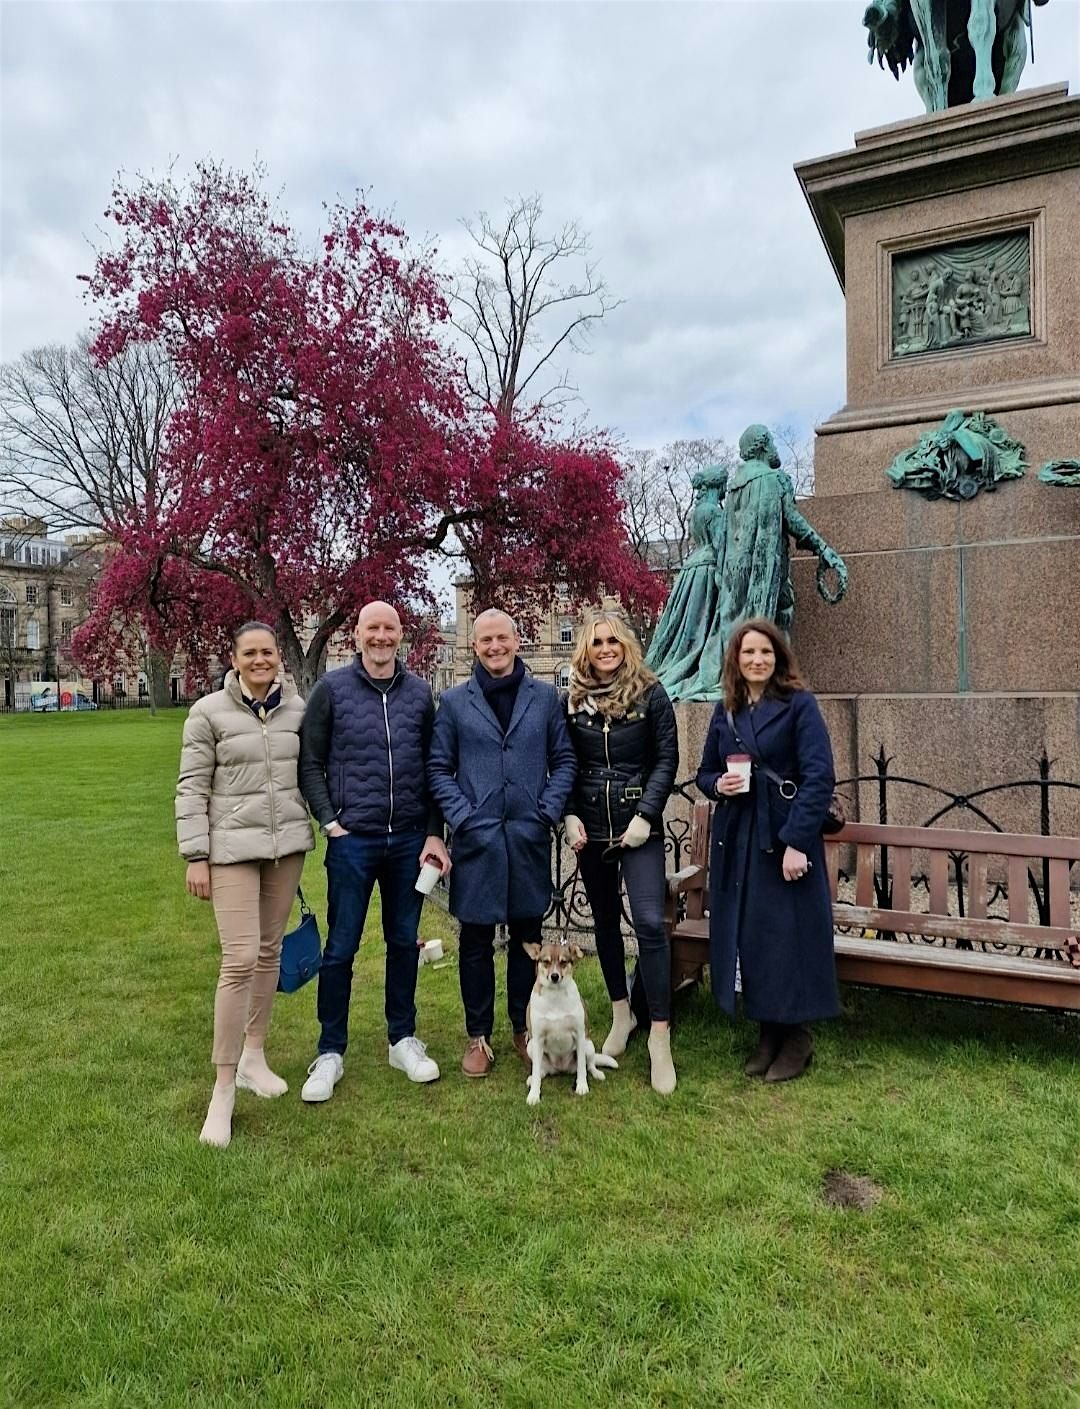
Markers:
{"x": 533, "y": 951}
{"x": 576, "y": 952}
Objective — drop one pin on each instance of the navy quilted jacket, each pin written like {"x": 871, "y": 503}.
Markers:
{"x": 363, "y": 752}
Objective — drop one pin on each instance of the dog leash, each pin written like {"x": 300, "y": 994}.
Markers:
{"x": 564, "y": 929}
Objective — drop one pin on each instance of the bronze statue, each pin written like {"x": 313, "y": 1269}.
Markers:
{"x": 761, "y": 515}
{"x": 740, "y": 568}
{"x": 959, "y": 50}
{"x": 686, "y": 649}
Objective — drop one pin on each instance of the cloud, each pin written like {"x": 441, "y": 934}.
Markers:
{"x": 669, "y": 130}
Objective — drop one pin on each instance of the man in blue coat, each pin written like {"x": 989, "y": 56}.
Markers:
{"x": 500, "y": 768}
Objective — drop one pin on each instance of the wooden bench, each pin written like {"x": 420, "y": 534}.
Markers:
{"x": 970, "y": 954}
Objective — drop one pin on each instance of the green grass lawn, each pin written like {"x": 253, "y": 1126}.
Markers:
{"x": 447, "y": 1246}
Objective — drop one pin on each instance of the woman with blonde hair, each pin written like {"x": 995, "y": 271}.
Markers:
{"x": 243, "y": 828}
{"x": 623, "y": 729}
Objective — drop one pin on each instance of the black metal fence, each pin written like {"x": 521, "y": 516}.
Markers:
{"x": 75, "y": 698}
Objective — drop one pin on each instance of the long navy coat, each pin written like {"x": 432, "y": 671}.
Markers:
{"x": 781, "y": 931}
{"x": 501, "y": 798}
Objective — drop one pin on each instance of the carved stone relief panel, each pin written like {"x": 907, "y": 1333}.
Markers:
{"x": 971, "y": 291}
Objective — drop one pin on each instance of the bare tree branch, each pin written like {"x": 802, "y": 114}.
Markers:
{"x": 506, "y": 304}
{"x": 80, "y": 442}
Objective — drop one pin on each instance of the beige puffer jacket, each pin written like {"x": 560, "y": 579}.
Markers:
{"x": 237, "y": 798}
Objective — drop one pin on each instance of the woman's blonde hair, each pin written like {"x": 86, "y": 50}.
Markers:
{"x": 630, "y": 681}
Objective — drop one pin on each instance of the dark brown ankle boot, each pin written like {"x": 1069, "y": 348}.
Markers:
{"x": 770, "y": 1036}
{"x": 795, "y": 1055}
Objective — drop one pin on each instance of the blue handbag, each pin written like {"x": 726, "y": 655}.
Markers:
{"x": 301, "y": 951}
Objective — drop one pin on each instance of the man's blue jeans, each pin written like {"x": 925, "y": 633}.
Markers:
{"x": 354, "y": 863}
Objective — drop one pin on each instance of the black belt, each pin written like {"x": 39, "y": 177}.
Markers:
{"x": 610, "y": 775}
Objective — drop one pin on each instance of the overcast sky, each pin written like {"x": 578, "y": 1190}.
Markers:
{"x": 669, "y": 130}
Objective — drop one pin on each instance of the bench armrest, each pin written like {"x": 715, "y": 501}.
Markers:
{"x": 689, "y": 878}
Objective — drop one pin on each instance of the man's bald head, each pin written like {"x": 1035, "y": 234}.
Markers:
{"x": 371, "y": 609}
{"x": 378, "y": 636}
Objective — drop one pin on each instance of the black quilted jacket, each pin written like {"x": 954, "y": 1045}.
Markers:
{"x": 626, "y": 766}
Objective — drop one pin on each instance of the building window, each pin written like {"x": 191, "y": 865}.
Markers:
{"x": 33, "y": 636}
{"x": 562, "y": 679}
{"x": 7, "y": 617}
{"x": 31, "y": 594}
{"x": 65, "y": 597}
{"x": 66, "y": 628}
{"x": 566, "y": 633}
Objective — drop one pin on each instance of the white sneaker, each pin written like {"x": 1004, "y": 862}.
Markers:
{"x": 410, "y": 1056}
{"x": 323, "y": 1075}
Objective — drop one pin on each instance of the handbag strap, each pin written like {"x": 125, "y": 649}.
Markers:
{"x": 770, "y": 773}
{"x": 305, "y": 908}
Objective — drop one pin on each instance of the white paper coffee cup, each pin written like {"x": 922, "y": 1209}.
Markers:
{"x": 431, "y": 951}
{"x": 740, "y": 763}
{"x": 428, "y": 877}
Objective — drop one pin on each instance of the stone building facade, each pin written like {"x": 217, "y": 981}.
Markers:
{"x": 43, "y": 600}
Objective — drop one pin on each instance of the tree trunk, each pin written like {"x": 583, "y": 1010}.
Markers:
{"x": 158, "y": 670}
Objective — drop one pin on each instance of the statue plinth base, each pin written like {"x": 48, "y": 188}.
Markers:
{"x": 957, "y": 646}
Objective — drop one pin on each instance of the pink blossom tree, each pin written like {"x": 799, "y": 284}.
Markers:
{"x": 321, "y": 451}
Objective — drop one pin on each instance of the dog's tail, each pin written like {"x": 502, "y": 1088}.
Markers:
{"x": 601, "y": 1059}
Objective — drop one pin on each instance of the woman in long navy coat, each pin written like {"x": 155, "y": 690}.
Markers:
{"x": 769, "y": 895}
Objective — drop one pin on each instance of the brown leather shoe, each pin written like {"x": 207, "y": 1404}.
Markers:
{"x": 795, "y": 1055}
{"x": 479, "y": 1058}
{"x": 521, "y": 1047}
{"x": 770, "y": 1040}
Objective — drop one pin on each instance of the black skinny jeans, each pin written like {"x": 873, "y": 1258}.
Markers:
{"x": 643, "y": 874}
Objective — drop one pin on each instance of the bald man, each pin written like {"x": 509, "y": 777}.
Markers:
{"x": 363, "y": 749}
{"x": 501, "y": 768}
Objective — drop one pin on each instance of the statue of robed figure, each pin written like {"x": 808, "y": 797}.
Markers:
{"x": 687, "y": 648}
{"x": 741, "y": 567}
{"x": 760, "y": 516}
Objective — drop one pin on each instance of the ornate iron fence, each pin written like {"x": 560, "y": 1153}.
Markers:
{"x": 569, "y": 909}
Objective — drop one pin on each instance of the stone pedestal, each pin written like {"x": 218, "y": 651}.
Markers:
{"x": 958, "y": 646}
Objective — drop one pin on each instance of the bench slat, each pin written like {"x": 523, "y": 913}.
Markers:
{"x": 941, "y": 839}
{"x": 890, "y": 952}
{"x": 977, "y": 886}
{"x": 1059, "y": 892}
{"x": 909, "y": 970}
{"x": 864, "y": 876}
{"x": 832, "y": 866}
{"x": 901, "y": 885}
{"x": 939, "y": 882}
{"x": 949, "y": 926}
{"x": 1018, "y": 890}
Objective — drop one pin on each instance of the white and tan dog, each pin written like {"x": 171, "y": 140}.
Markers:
{"x": 558, "y": 1037}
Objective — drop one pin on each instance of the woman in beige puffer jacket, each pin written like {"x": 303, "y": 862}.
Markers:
{"x": 243, "y": 828}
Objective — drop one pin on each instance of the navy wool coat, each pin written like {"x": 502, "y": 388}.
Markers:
{"x": 501, "y": 798}
{"x": 781, "y": 931}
